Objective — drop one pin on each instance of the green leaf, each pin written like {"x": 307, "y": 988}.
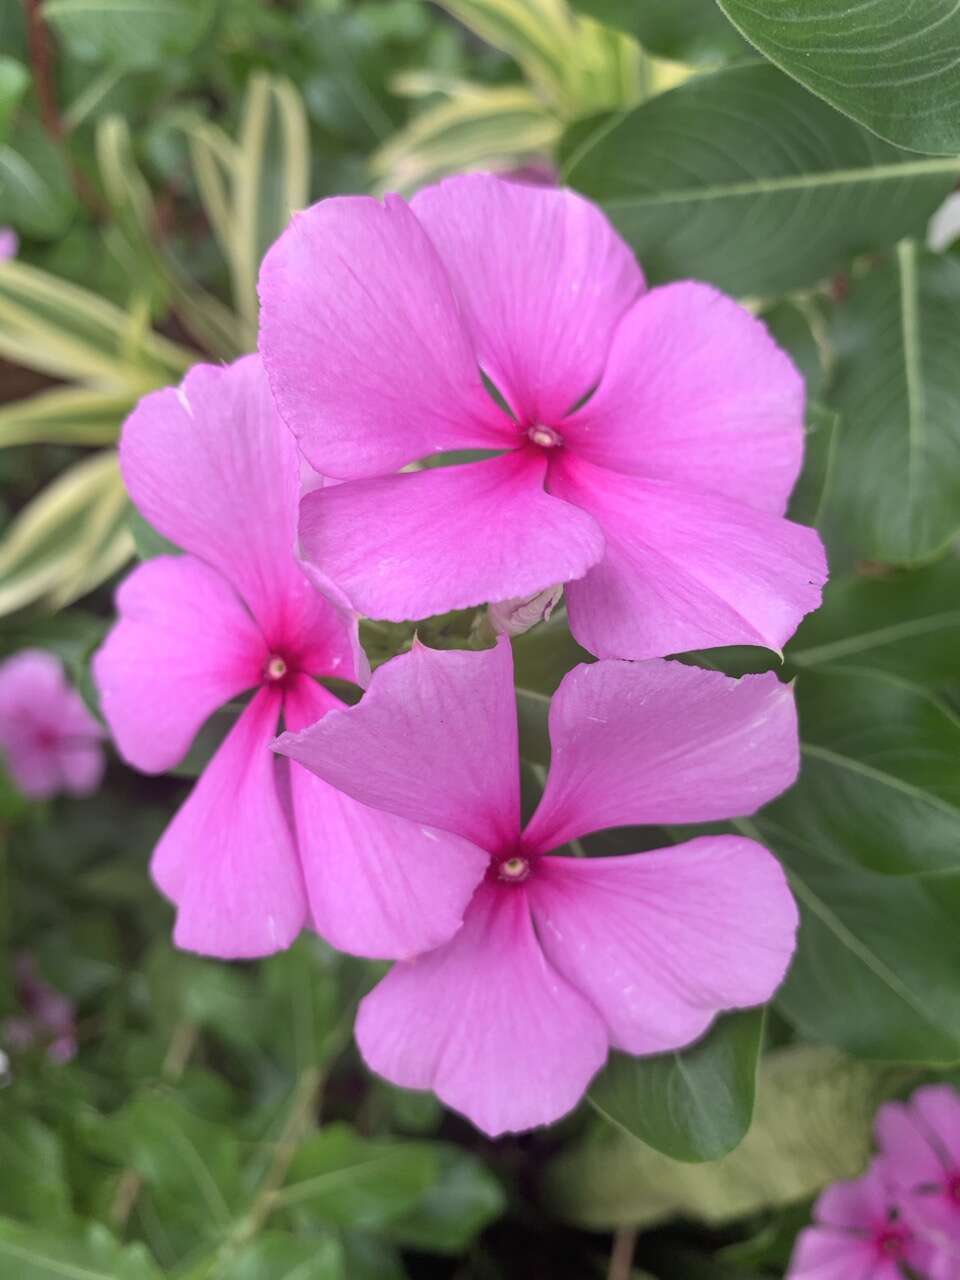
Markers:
{"x": 904, "y": 623}
{"x": 35, "y": 1185}
{"x": 76, "y": 416}
{"x": 276, "y": 1256}
{"x": 879, "y": 785}
{"x": 693, "y": 1105}
{"x": 812, "y": 1125}
{"x": 812, "y": 489}
{"x": 685, "y": 30}
{"x": 130, "y": 33}
{"x": 35, "y": 191}
{"x": 347, "y": 1181}
{"x": 14, "y": 79}
{"x": 896, "y": 492}
{"x": 32, "y": 1253}
{"x": 790, "y": 326}
{"x": 147, "y": 540}
{"x": 743, "y": 179}
{"x": 464, "y": 1200}
{"x": 890, "y": 65}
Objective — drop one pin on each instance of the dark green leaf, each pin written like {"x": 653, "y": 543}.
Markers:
{"x": 744, "y": 179}
{"x": 13, "y": 84}
{"x": 33, "y": 1253}
{"x": 34, "y": 1185}
{"x": 890, "y": 65}
{"x": 465, "y": 1198}
{"x": 276, "y": 1256}
{"x": 813, "y": 487}
{"x": 896, "y": 485}
{"x": 35, "y": 191}
{"x": 685, "y": 30}
{"x": 148, "y": 542}
{"x": 790, "y": 326}
{"x": 693, "y": 1105}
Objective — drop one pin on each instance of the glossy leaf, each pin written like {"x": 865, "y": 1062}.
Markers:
{"x": 693, "y": 1105}
{"x": 744, "y": 179}
{"x": 896, "y": 492}
{"x": 890, "y": 65}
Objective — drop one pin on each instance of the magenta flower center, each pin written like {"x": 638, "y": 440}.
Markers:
{"x": 892, "y": 1242}
{"x": 513, "y": 870}
{"x": 545, "y": 437}
{"x": 953, "y": 1187}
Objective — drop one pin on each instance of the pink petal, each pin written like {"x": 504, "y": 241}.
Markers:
{"x": 858, "y": 1204}
{"x": 661, "y": 942}
{"x": 227, "y": 860}
{"x": 212, "y": 467}
{"x": 378, "y": 885}
{"x": 412, "y": 545}
{"x": 37, "y": 772}
{"x": 364, "y": 343}
{"x": 685, "y": 570}
{"x": 434, "y": 739}
{"x": 485, "y": 1022}
{"x": 938, "y": 1106}
{"x": 183, "y": 645}
{"x": 823, "y": 1254}
{"x": 697, "y": 392}
{"x": 660, "y": 742}
{"x": 81, "y": 767}
{"x": 543, "y": 280}
{"x": 906, "y": 1143}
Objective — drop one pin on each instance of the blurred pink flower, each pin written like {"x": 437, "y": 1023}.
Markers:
{"x": 860, "y": 1234}
{"x": 9, "y": 243}
{"x": 651, "y": 445}
{"x": 558, "y": 958}
{"x": 258, "y": 848}
{"x": 48, "y": 738}
{"x": 47, "y": 1017}
{"x": 921, "y": 1142}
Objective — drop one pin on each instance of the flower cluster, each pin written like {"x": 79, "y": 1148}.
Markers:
{"x": 638, "y": 448}
{"x": 904, "y": 1211}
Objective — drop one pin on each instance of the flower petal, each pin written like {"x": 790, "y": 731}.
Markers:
{"x": 696, "y": 392}
{"x": 434, "y": 739}
{"x": 378, "y": 885}
{"x": 183, "y": 645}
{"x": 661, "y": 942}
{"x": 412, "y": 545}
{"x": 81, "y": 766}
{"x": 857, "y": 1203}
{"x": 364, "y": 344}
{"x": 822, "y": 1254}
{"x": 485, "y": 1022}
{"x": 659, "y": 742}
{"x": 908, "y": 1146}
{"x": 543, "y": 280}
{"x": 685, "y": 570}
{"x": 212, "y": 467}
{"x": 227, "y": 860}
{"x": 938, "y": 1106}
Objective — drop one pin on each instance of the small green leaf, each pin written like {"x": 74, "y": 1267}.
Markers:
{"x": 148, "y": 542}
{"x": 35, "y": 191}
{"x": 692, "y": 1105}
{"x": 276, "y": 1256}
{"x": 465, "y": 1198}
{"x": 130, "y": 33}
{"x": 812, "y": 490}
{"x": 14, "y": 79}
{"x": 34, "y": 1253}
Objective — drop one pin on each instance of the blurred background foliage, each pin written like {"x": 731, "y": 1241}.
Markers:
{"x": 214, "y": 1122}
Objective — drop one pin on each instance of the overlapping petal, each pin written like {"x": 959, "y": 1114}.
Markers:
{"x": 228, "y": 860}
{"x": 660, "y": 742}
{"x": 486, "y": 1023}
{"x": 661, "y": 942}
{"x": 182, "y": 646}
{"x": 433, "y": 740}
{"x": 823, "y": 1254}
{"x": 365, "y": 345}
{"x": 378, "y": 885}
{"x": 412, "y": 545}
{"x": 542, "y": 279}
{"x": 697, "y": 393}
{"x": 908, "y": 1145}
{"x": 685, "y": 570}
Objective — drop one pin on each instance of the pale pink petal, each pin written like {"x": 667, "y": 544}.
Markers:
{"x": 81, "y": 766}
{"x": 364, "y": 343}
{"x": 212, "y": 467}
{"x": 938, "y": 1106}
{"x": 434, "y": 739}
{"x": 858, "y": 1203}
{"x": 938, "y": 1264}
{"x": 227, "y": 860}
{"x": 659, "y": 742}
{"x": 182, "y": 646}
{"x": 412, "y": 545}
{"x": 661, "y": 942}
{"x": 35, "y": 769}
{"x": 378, "y": 885}
{"x": 485, "y": 1022}
{"x": 543, "y": 280}
{"x": 824, "y": 1254}
{"x": 685, "y": 570}
{"x": 695, "y": 391}
{"x": 905, "y": 1141}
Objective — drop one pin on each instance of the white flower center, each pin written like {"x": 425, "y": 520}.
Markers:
{"x": 545, "y": 437}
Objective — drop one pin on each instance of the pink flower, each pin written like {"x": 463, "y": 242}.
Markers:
{"x": 47, "y": 1017}
{"x": 558, "y": 958}
{"x": 9, "y": 244}
{"x": 49, "y": 739}
{"x": 860, "y": 1234}
{"x": 921, "y": 1143}
{"x": 259, "y": 848}
{"x": 658, "y": 501}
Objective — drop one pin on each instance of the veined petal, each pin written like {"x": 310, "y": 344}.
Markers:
{"x": 227, "y": 860}
{"x": 378, "y": 885}
{"x": 485, "y": 1022}
{"x": 364, "y": 343}
{"x": 543, "y": 280}
{"x": 409, "y": 546}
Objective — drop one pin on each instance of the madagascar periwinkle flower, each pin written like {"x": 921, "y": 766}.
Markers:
{"x": 558, "y": 957}
{"x": 257, "y": 850}
{"x": 860, "y": 1233}
{"x": 48, "y": 739}
{"x": 645, "y": 442}
{"x": 921, "y": 1142}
